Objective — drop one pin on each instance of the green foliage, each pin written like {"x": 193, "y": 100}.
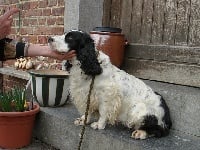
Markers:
{"x": 13, "y": 100}
{"x": 18, "y": 98}
{"x": 5, "y": 102}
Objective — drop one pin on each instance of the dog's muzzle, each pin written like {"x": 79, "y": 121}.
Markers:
{"x": 50, "y": 40}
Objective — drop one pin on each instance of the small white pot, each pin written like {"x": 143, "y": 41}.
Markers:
{"x": 50, "y": 87}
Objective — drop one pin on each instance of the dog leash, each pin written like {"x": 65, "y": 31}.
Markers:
{"x": 86, "y": 113}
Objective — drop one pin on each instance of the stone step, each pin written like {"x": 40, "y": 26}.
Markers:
{"x": 38, "y": 145}
{"x": 55, "y": 126}
{"x": 184, "y": 104}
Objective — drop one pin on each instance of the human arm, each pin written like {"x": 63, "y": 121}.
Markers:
{"x": 15, "y": 49}
{"x": 39, "y": 50}
{"x": 32, "y": 50}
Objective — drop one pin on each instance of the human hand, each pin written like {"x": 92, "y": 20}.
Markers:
{"x": 6, "y": 22}
{"x": 63, "y": 56}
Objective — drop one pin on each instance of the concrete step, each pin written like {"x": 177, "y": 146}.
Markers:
{"x": 184, "y": 104}
{"x": 55, "y": 126}
{"x": 38, "y": 145}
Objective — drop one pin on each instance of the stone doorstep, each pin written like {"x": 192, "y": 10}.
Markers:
{"x": 55, "y": 126}
{"x": 184, "y": 105}
{"x": 38, "y": 145}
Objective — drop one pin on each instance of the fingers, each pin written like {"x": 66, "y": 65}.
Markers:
{"x": 70, "y": 55}
{"x": 9, "y": 13}
{"x": 64, "y": 56}
{"x": 6, "y": 22}
{"x": 7, "y": 27}
{"x": 5, "y": 32}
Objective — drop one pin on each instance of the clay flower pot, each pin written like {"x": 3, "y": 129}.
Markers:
{"x": 111, "y": 41}
{"x": 16, "y": 128}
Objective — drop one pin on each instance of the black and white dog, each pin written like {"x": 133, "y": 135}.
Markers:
{"x": 116, "y": 96}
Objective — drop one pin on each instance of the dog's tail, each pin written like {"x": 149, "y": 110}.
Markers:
{"x": 151, "y": 122}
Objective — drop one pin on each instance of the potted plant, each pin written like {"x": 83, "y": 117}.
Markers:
{"x": 16, "y": 119}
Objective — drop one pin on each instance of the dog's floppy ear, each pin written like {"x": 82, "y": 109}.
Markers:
{"x": 88, "y": 57}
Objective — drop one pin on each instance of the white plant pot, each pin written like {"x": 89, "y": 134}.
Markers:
{"x": 50, "y": 87}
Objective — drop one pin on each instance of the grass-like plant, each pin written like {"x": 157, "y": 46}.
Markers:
{"x": 5, "y": 102}
{"x": 18, "y": 95}
{"x": 13, "y": 100}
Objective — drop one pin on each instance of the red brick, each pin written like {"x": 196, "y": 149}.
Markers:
{"x": 52, "y": 3}
{"x": 28, "y": 13}
{"x": 26, "y": 30}
{"x": 16, "y": 16}
{"x": 23, "y": 31}
{"x": 40, "y": 30}
{"x": 25, "y": 22}
{"x": 10, "y": 82}
{"x": 15, "y": 22}
{"x": 6, "y": 2}
{"x": 42, "y": 21}
{"x": 46, "y": 12}
{"x": 42, "y": 39}
{"x": 51, "y": 21}
{"x": 33, "y": 22}
{"x": 13, "y": 1}
{"x": 26, "y": 37}
{"x": 13, "y": 31}
{"x": 37, "y": 12}
{"x": 33, "y": 13}
{"x": 22, "y": 14}
{"x": 32, "y": 39}
{"x": 33, "y": 4}
{"x": 57, "y": 30}
{"x": 26, "y": 6}
{"x": 60, "y": 21}
{"x": 58, "y": 11}
{"x": 61, "y": 2}
{"x": 43, "y": 4}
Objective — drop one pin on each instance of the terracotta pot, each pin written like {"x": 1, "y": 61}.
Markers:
{"x": 111, "y": 43}
{"x": 16, "y": 128}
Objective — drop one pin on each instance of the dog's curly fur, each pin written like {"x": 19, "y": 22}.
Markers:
{"x": 116, "y": 95}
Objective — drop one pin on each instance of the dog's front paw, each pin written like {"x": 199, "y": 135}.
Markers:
{"x": 79, "y": 122}
{"x": 139, "y": 134}
{"x": 96, "y": 125}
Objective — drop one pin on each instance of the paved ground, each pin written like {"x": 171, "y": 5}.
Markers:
{"x": 37, "y": 145}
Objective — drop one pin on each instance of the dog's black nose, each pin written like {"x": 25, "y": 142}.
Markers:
{"x": 50, "y": 39}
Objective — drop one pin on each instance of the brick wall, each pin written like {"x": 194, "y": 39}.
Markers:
{"x": 10, "y": 81}
{"x": 39, "y": 19}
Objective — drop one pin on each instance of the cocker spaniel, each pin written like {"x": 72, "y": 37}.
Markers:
{"x": 116, "y": 95}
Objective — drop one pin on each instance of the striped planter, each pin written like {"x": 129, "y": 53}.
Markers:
{"x": 50, "y": 87}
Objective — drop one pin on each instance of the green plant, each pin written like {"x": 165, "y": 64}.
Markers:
{"x": 5, "y": 102}
{"x": 19, "y": 98}
{"x": 13, "y": 100}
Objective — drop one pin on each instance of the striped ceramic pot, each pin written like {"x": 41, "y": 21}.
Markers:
{"x": 50, "y": 87}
